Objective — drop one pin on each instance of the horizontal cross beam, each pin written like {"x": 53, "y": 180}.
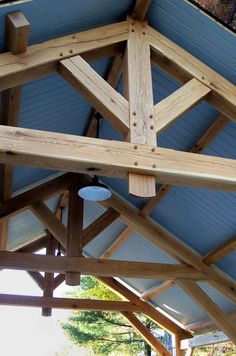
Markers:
{"x": 113, "y": 158}
{"x": 67, "y": 303}
{"x": 41, "y": 59}
{"x": 88, "y": 266}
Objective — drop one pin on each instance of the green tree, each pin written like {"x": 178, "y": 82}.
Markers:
{"x": 107, "y": 333}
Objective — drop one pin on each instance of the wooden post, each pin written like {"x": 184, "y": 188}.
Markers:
{"x": 16, "y": 40}
{"x": 48, "y": 285}
{"x": 139, "y": 92}
{"x": 75, "y": 227}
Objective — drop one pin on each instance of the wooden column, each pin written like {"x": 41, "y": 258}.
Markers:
{"x": 75, "y": 227}
{"x": 48, "y": 285}
{"x": 16, "y": 39}
{"x": 139, "y": 92}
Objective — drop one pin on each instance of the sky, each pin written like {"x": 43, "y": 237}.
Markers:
{"x": 23, "y": 331}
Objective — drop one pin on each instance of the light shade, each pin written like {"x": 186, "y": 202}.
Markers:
{"x": 95, "y": 191}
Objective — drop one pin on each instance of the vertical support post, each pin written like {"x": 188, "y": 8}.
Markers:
{"x": 48, "y": 284}
{"x": 139, "y": 92}
{"x": 176, "y": 346}
{"x": 16, "y": 40}
{"x": 75, "y": 226}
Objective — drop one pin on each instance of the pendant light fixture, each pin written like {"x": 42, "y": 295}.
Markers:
{"x": 95, "y": 191}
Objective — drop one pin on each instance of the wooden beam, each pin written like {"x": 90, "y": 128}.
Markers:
{"x": 97, "y": 91}
{"x": 184, "y": 66}
{"x": 113, "y": 158}
{"x": 209, "y": 135}
{"x": 75, "y": 226}
{"x": 43, "y": 191}
{"x": 112, "y": 79}
{"x": 35, "y": 246}
{"x": 48, "y": 285}
{"x": 117, "y": 243}
{"x": 209, "y": 307}
{"x": 162, "y": 239}
{"x": 57, "y": 264}
{"x": 16, "y": 40}
{"x": 37, "y": 278}
{"x": 100, "y": 224}
{"x": 179, "y": 103}
{"x": 139, "y": 92}
{"x": 221, "y": 251}
{"x": 41, "y": 59}
{"x": 58, "y": 280}
{"x": 141, "y": 9}
{"x": 204, "y": 340}
{"x": 146, "y": 334}
{"x": 176, "y": 347}
{"x": 157, "y": 289}
{"x": 205, "y": 325}
{"x": 67, "y": 303}
{"x": 46, "y": 216}
{"x": 147, "y": 309}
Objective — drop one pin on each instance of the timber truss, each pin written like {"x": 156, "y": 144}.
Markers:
{"x": 133, "y": 44}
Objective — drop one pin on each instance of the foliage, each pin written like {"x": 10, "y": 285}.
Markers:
{"x": 107, "y": 333}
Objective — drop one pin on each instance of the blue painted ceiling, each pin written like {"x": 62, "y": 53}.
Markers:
{"x": 201, "y": 218}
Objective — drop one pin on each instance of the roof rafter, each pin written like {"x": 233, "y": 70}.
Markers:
{"x": 221, "y": 251}
{"x": 146, "y": 334}
{"x": 209, "y": 307}
{"x": 172, "y": 246}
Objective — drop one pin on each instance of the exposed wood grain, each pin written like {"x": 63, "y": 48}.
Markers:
{"x": 43, "y": 191}
{"x": 16, "y": 40}
{"x": 147, "y": 309}
{"x": 37, "y": 278}
{"x": 67, "y": 303}
{"x": 113, "y": 158}
{"x": 100, "y": 224}
{"x": 56, "y": 228}
{"x": 139, "y": 92}
{"x": 17, "y": 32}
{"x": 205, "y": 325}
{"x": 42, "y": 58}
{"x": 221, "y": 251}
{"x": 48, "y": 282}
{"x": 204, "y": 340}
{"x": 186, "y": 66}
{"x": 97, "y": 91}
{"x": 155, "y": 290}
{"x": 57, "y": 264}
{"x": 162, "y": 239}
{"x": 146, "y": 334}
{"x": 112, "y": 79}
{"x": 179, "y": 103}
{"x": 141, "y": 9}
{"x": 117, "y": 243}
{"x": 75, "y": 226}
{"x": 210, "y": 308}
